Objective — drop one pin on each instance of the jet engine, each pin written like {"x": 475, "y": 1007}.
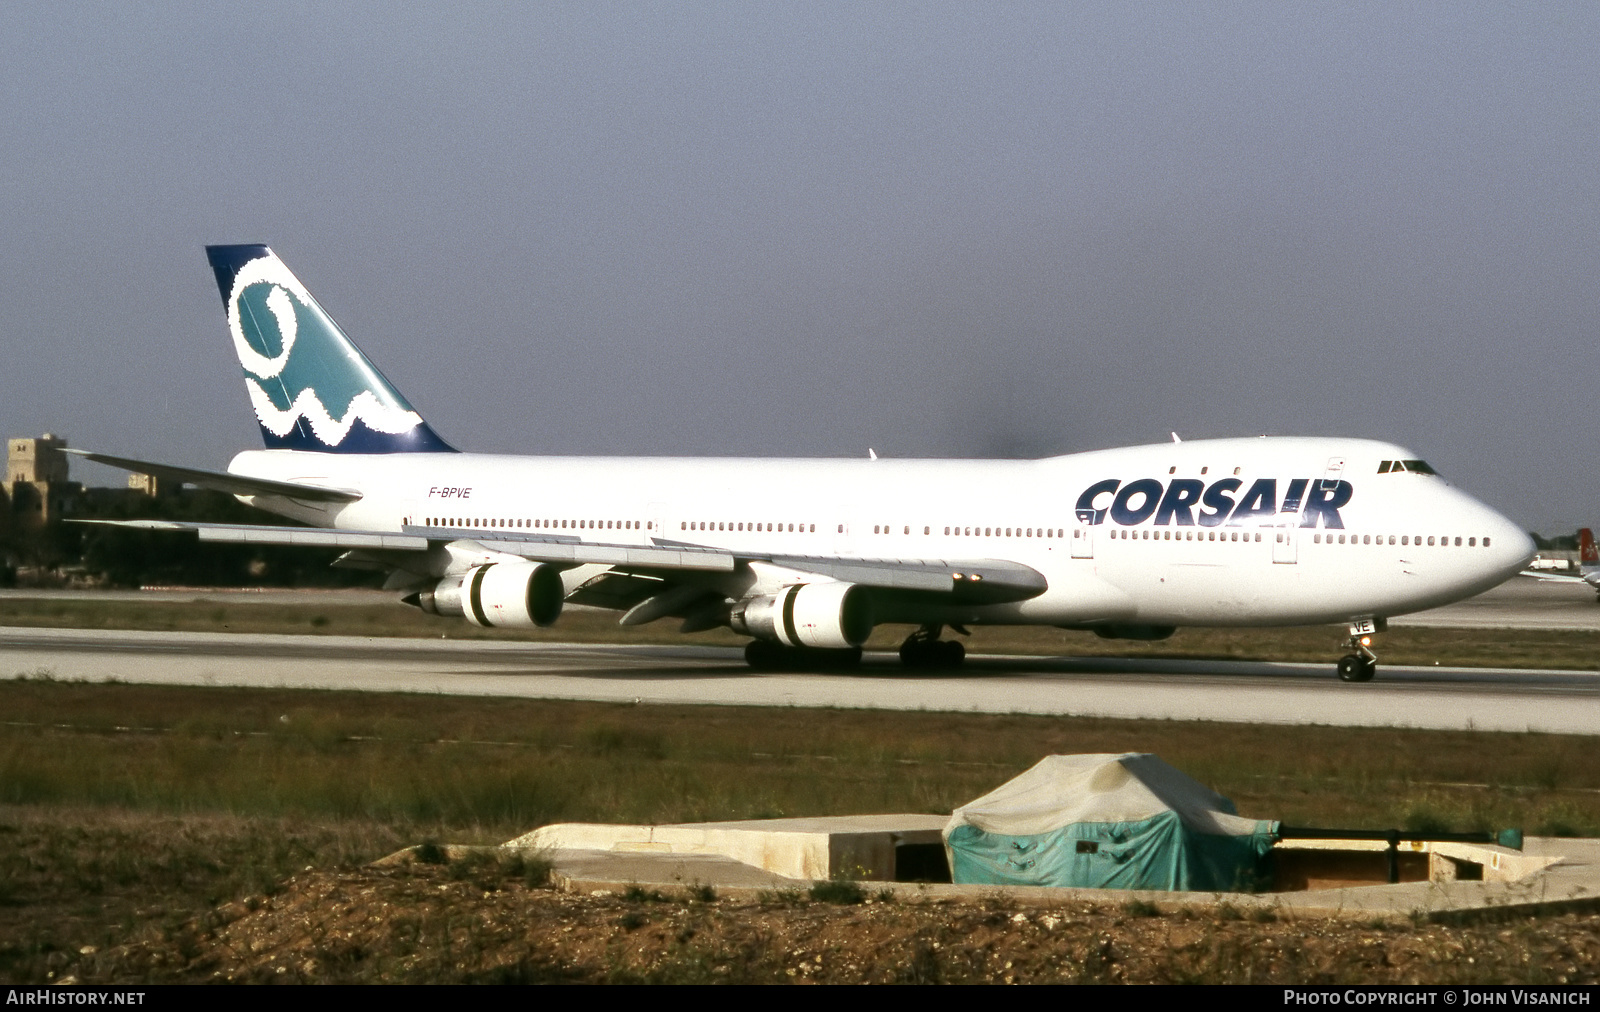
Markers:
{"x": 831, "y": 616}
{"x": 505, "y": 594}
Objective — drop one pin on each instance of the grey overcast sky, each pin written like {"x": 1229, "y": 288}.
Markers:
{"x": 936, "y": 229}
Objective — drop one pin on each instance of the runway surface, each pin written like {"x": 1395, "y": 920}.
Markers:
{"x": 1433, "y": 697}
{"x": 1520, "y": 603}
{"x": 1486, "y": 699}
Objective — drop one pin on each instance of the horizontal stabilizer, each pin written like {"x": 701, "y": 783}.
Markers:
{"x": 222, "y": 481}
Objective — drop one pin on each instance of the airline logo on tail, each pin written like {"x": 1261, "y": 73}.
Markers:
{"x": 311, "y": 387}
{"x": 1588, "y": 556}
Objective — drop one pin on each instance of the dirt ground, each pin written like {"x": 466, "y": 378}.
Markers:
{"x": 487, "y": 922}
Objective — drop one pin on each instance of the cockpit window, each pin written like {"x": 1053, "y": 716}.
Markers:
{"x": 1416, "y": 466}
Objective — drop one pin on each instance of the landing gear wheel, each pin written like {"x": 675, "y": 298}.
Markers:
{"x": 1361, "y": 665}
{"x": 1350, "y": 668}
{"x": 847, "y": 659}
{"x": 765, "y": 655}
{"x": 924, "y": 649}
{"x": 1356, "y": 668}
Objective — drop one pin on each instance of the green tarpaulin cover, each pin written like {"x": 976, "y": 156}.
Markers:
{"x": 1107, "y": 821}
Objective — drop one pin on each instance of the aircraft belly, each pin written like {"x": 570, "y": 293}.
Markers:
{"x": 1078, "y": 594}
{"x": 1221, "y": 595}
{"x": 1192, "y": 593}
{"x": 1075, "y": 595}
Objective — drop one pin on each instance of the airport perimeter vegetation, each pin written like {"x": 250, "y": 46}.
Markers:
{"x": 466, "y": 762}
{"x": 152, "y": 833}
{"x": 137, "y": 812}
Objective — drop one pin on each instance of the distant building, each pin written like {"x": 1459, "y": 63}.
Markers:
{"x": 37, "y": 486}
{"x": 146, "y": 483}
{"x": 36, "y": 460}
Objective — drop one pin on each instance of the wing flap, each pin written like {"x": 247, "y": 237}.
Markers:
{"x": 320, "y": 537}
{"x": 992, "y": 579}
{"x": 621, "y": 556}
{"x": 617, "y": 591}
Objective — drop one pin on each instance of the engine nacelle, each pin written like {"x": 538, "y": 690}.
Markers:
{"x": 828, "y": 615}
{"x": 501, "y": 594}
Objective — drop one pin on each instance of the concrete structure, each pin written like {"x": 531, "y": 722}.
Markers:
{"x": 866, "y": 847}
{"x": 1313, "y": 865}
{"x": 1325, "y": 878}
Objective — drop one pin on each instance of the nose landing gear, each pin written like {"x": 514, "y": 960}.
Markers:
{"x": 924, "y": 649}
{"x": 1361, "y": 665}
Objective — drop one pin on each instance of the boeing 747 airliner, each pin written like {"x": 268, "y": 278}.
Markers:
{"x": 807, "y": 556}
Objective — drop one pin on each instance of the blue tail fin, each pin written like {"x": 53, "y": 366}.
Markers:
{"x": 310, "y": 385}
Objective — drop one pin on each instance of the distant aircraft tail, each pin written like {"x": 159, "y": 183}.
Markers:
{"x": 1587, "y": 554}
{"x": 311, "y": 387}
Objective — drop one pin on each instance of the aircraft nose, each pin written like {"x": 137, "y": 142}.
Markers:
{"x": 1511, "y": 548}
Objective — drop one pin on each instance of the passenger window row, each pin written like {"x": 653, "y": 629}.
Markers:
{"x": 728, "y": 525}
{"x": 1004, "y": 532}
{"x": 1404, "y": 539}
{"x": 1181, "y": 535}
{"x": 541, "y": 524}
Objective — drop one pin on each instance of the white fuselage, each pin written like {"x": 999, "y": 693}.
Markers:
{"x": 1230, "y": 532}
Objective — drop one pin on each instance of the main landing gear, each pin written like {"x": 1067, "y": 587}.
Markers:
{"x": 1363, "y": 664}
{"x": 924, "y": 649}
{"x": 765, "y": 655}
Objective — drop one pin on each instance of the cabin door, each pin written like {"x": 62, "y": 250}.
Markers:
{"x": 1283, "y": 546}
{"x": 844, "y": 542}
{"x": 1083, "y": 542}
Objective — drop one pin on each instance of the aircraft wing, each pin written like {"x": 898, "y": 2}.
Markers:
{"x": 988, "y": 580}
{"x": 222, "y": 481}
{"x": 320, "y": 537}
{"x": 991, "y": 580}
{"x": 533, "y": 547}
{"x": 1553, "y": 577}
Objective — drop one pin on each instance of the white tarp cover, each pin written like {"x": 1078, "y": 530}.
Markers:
{"x": 1150, "y": 827}
{"x": 1103, "y": 787}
